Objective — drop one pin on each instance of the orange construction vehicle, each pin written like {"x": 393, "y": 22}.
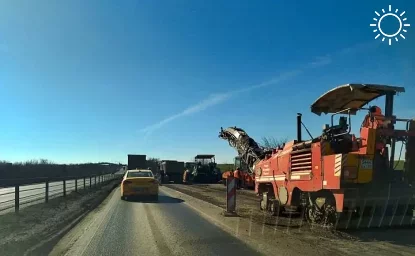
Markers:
{"x": 248, "y": 177}
{"x": 337, "y": 173}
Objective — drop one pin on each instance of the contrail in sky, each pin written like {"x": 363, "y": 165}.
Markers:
{"x": 217, "y": 98}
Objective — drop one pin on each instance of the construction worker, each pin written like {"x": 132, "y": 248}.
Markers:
{"x": 162, "y": 174}
{"x": 237, "y": 176}
{"x": 186, "y": 176}
{"x": 242, "y": 179}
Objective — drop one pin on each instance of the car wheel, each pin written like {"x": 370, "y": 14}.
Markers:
{"x": 122, "y": 197}
{"x": 155, "y": 198}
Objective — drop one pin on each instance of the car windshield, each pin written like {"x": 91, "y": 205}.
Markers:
{"x": 139, "y": 174}
{"x": 273, "y": 127}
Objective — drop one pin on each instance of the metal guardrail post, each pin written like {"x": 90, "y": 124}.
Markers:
{"x": 47, "y": 191}
{"x": 64, "y": 187}
{"x": 99, "y": 179}
{"x": 16, "y": 198}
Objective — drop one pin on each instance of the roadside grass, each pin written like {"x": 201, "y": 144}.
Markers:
{"x": 225, "y": 167}
{"x": 399, "y": 165}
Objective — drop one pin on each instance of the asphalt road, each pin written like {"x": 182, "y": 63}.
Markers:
{"x": 166, "y": 227}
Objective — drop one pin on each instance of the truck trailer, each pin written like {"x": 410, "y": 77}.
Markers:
{"x": 173, "y": 170}
{"x": 137, "y": 162}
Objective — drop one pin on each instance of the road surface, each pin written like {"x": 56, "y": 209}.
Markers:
{"x": 166, "y": 227}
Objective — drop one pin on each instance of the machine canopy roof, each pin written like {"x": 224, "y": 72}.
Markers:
{"x": 353, "y": 96}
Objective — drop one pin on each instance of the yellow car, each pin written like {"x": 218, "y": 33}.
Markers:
{"x": 139, "y": 183}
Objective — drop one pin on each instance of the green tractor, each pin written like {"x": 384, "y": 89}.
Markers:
{"x": 205, "y": 170}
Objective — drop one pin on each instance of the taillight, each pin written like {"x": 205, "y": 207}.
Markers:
{"x": 154, "y": 181}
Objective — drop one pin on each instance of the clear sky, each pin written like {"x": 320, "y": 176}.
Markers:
{"x": 85, "y": 81}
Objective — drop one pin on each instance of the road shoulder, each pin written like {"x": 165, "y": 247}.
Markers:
{"x": 35, "y": 229}
{"x": 88, "y": 225}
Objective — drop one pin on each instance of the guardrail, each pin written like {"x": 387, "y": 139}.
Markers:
{"x": 43, "y": 189}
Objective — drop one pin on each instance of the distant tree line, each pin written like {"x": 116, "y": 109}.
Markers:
{"x": 45, "y": 169}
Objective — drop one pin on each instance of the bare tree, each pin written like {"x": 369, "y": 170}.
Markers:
{"x": 153, "y": 163}
{"x": 272, "y": 142}
{"x": 153, "y": 159}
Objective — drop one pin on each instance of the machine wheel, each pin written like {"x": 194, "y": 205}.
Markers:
{"x": 262, "y": 204}
{"x": 272, "y": 207}
{"x": 311, "y": 214}
{"x": 265, "y": 203}
{"x": 321, "y": 213}
{"x": 276, "y": 208}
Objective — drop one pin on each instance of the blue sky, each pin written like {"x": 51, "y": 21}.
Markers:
{"x": 94, "y": 81}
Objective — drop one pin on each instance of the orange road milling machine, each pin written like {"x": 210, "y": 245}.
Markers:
{"x": 338, "y": 178}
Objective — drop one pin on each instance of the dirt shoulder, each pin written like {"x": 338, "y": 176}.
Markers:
{"x": 35, "y": 229}
{"x": 290, "y": 236}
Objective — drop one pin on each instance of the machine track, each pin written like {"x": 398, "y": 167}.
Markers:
{"x": 248, "y": 207}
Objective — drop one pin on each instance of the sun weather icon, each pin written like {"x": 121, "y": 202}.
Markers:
{"x": 388, "y": 18}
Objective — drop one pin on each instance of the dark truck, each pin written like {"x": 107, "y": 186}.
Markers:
{"x": 173, "y": 170}
{"x": 205, "y": 170}
{"x": 137, "y": 162}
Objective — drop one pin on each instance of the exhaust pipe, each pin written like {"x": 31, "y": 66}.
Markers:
{"x": 299, "y": 139}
